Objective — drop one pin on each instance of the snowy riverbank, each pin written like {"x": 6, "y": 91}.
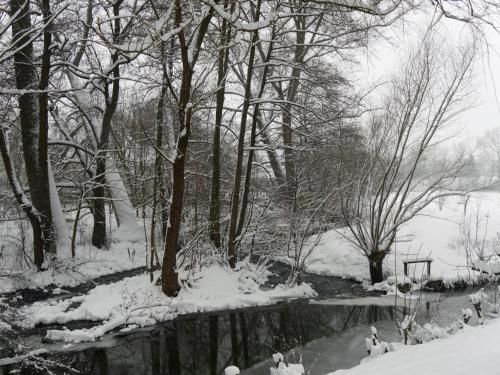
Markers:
{"x": 474, "y": 350}
{"x": 136, "y": 302}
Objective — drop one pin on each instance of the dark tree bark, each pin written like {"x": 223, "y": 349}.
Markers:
{"x": 253, "y": 136}
{"x": 34, "y": 121}
{"x": 288, "y": 96}
{"x": 170, "y": 284}
{"x": 291, "y": 176}
{"x": 99, "y": 238}
{"x": 222, "y": 68}
{"x": 376, "y": 260}
{"x": 15, "y": 184}
{"x": 159, "y": 178}
{"x": 235, "y": 199}
{"x": 376, "y": 274}
{"x": 43, "y": 151}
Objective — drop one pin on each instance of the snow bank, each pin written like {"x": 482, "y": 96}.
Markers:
{"x": 434, "y": 234}
{"x": 471, "y": 351}
{"x": 127, "y": 251}
{"x": 135, "y": 300}
{"x": 89, "y": 264}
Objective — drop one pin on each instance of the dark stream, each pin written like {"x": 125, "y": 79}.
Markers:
{"x": 206, "y": 344}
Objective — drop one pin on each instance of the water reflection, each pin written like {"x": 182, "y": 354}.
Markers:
{"x": 206, "y": 345}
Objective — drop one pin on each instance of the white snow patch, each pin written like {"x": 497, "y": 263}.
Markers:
{"x": 471, "y": 351}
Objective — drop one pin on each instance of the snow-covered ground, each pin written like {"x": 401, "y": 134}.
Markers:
{"x": 475, "y": 350}
{"x": 127, "y": 251}
{"x": 89, "y": 263}
{"x": 436, "y": 233}
{"x": 135, "y": 301}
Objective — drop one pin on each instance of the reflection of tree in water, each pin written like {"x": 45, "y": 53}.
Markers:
{"x": 205, "y": 345}
{"x": 367, "y": 315}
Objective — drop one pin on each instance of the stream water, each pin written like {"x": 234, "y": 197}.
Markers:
{"x": 324, "y": 337}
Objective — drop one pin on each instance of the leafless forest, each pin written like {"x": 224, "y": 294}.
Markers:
{"x": 203, "y": 128}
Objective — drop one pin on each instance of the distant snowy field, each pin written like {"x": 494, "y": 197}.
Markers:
{"x": 436, "y": 233}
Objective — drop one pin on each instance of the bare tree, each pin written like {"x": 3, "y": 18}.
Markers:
{"x": 33, "y": 120}
{"x": 388, "y": 189}
{"x": 190, "y": 47}
{"x": 222, "y": 71}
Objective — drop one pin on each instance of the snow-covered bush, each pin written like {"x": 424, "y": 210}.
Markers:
{"x": 280, "y": 368}
{"x": 428, "y": 332}
{"x": 407, "y": 326}
{"x": 477, "y": 299}
{"x": 374, "y": 346}
{"x": 467, "y": 315}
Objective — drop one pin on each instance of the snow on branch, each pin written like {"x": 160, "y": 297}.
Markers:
{"x": 247, "y": 26}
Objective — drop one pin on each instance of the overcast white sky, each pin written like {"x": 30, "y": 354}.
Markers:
{"x": 383, "y": 58}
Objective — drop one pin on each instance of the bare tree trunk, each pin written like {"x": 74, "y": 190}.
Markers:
{"x": 99, "y": 238}
{"x": 170, "y": 283}
{"x": 376, "y": 273}
{"x": 158, "y": 176}
{"x": 43, "y": 151}
{"x": 290, "y": 174}
{"x": 34, "y": 123}
{"x": 235, "y": 199}
{"x": 223, "y": 61}
{"x": 21, "y": 198}
{"x": 253, "y": 136}
{"x": 298, "y": 61}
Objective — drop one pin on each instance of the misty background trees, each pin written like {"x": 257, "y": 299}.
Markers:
{"x": 228, "y": 127}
